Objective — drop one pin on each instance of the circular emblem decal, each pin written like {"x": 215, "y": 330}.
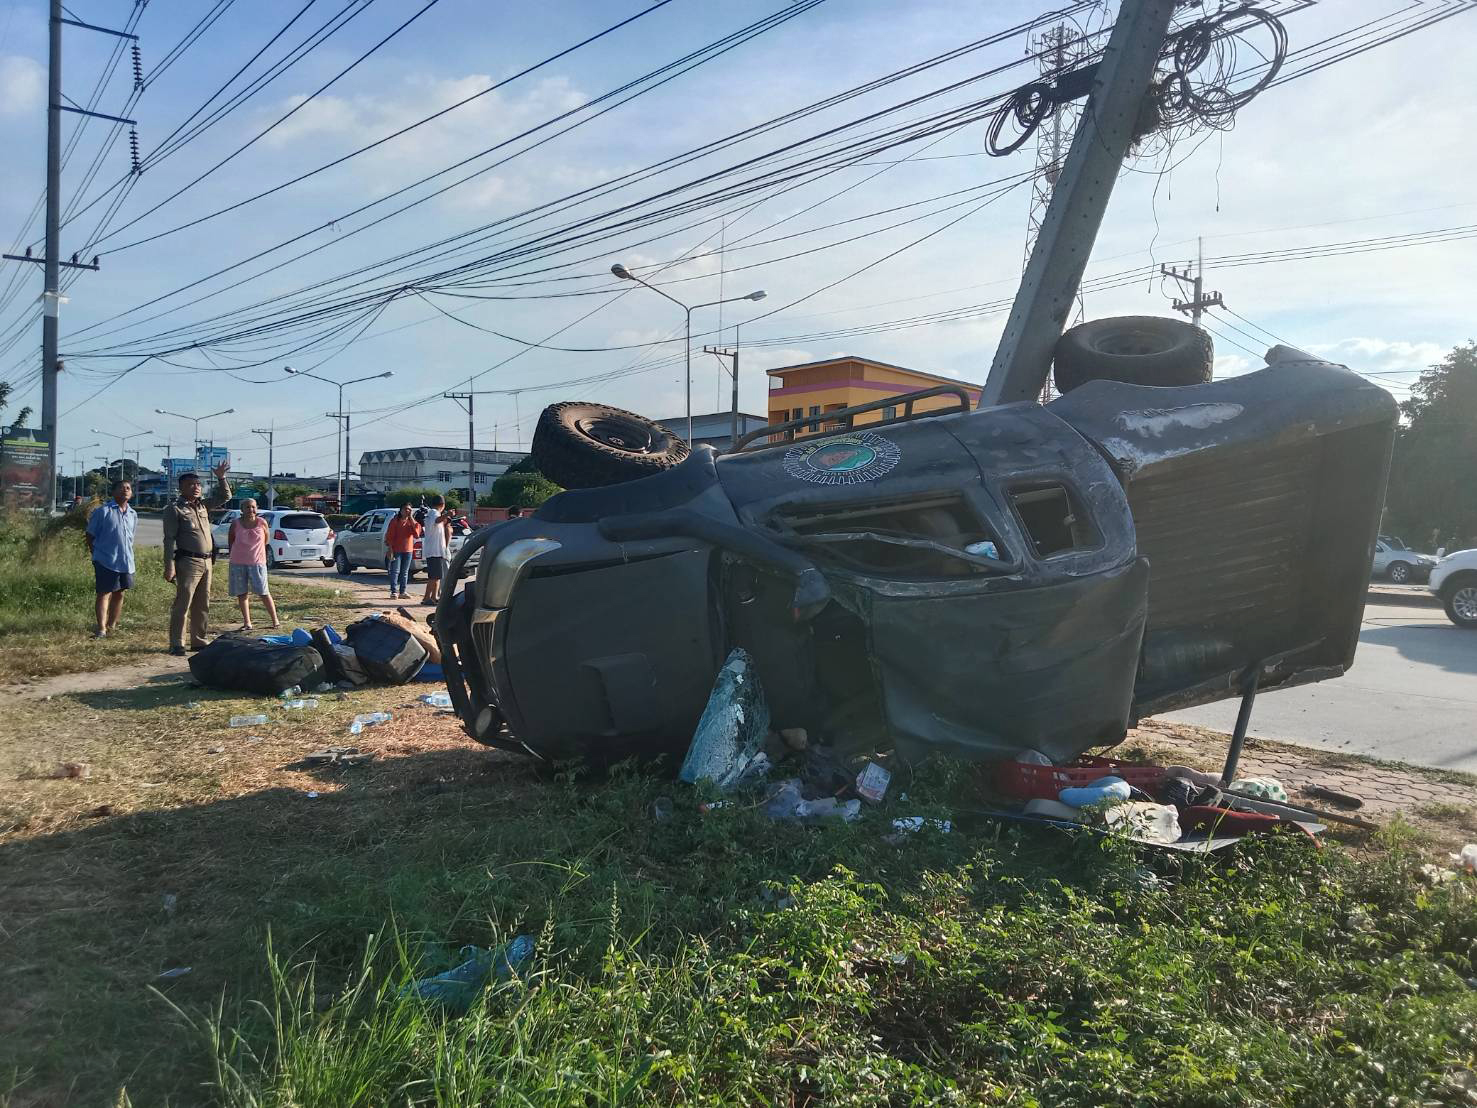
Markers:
{"x": 848, "y": 459}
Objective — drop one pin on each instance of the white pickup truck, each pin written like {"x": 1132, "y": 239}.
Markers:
{"x": 1454, "y": 580}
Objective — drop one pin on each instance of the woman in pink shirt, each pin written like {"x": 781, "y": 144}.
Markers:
{"x": 248, "y": 542}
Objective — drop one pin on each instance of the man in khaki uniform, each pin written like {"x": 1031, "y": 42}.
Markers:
{"x": 189, "y": 550}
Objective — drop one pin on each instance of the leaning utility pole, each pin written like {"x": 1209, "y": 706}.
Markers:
{"x": 733, "y": 353}
{"x": 1196, "y": 306}
{"x": 51, "y": 294}
{"x": 1054, "y": 273}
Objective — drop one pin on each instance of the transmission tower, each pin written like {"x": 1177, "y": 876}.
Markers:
{"x": 1057, "y": 49}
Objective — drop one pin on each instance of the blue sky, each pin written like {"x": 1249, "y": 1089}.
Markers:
{"x": 1362, "y": 149}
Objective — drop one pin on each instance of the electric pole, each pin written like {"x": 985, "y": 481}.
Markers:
{"x": 725, "y": 352}
{"x": 467, "y": 400}
{"x": 269, "y": 435}
{"x": 51, "y": 294}
{"x": 1196, "y": 306}
{"x": 1054, "y": 274}
{"x": 168, "y": 467}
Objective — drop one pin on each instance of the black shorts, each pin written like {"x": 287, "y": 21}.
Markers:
{"x": 111, "y": 580}
{"x": 435, "y": 569}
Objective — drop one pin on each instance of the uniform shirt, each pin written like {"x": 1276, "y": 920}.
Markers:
{"x": 112, "y": 529}
{"x": 187, "y": 526}
{"x": 434, "y": 545}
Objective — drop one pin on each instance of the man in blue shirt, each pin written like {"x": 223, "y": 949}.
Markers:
{"x": 110, "y": 530}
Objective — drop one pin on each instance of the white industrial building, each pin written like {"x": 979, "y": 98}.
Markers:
{"x": 434, "y": 467}
{"x": 713, "y": 428}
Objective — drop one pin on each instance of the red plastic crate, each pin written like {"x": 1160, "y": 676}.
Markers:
{"x": 1029, "y": 782}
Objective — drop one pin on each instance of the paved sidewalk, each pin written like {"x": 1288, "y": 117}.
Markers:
{"x": 1385, "y": 789}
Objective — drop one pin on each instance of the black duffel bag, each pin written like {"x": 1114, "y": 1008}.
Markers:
{"x": 387, "y": 653}
{"x": 254, "y": 666}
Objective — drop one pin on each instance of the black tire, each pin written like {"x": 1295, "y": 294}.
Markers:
{"x": 341, "y": 562}
{"x": 272, "y": 562}
{"x": 1399, "y": 573}
{"x": 1134, "y": 349}
{"x": 586, "y": 446}
{"x": 1460, "y": 598}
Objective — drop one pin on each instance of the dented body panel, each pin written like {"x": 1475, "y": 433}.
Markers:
{"x": 977, "y": 583}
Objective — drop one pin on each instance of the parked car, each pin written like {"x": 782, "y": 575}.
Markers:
{"x": 293, "y": 535}
{"x": 362, "y": 544}
{"x": 975, "y": 582}
{"x": 1454, "y": 580}
{"x": 1398, "y": 563}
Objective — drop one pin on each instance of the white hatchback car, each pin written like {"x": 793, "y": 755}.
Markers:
{"x": 363, "y": 544}
{"x": 293, "y": 535}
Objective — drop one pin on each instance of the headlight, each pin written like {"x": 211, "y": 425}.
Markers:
{"x": 508, "y": 567}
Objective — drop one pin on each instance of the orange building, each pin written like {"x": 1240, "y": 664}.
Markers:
{"x": 815, "y": 388}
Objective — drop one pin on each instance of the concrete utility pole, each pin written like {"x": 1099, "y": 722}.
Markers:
{"x": 733, "y": 353}
{"x": 269, "y": 435}
{"x": 168, "y": 449}
{"x": 1196, "y": 306}
{"x": 51, "y": 260}
{"x": 466, "y": 400}
{"x": 342, "y": 415}
{"x": 1049, "y": 286}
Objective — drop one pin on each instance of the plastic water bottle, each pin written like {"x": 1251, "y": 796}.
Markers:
{"x": 250, "y": 721}
{"x": 361, "y": 722}
{"x": 301, "y": 702}
{"x": 437, "y": 699}
{"x": 288, "y": 694}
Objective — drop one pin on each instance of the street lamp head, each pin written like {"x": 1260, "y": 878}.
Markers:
{"x": 622, "y": 272}
{"x": 288, "y": 369}
{"x": 388, "y": 373}
{"x": 756, "y": 295}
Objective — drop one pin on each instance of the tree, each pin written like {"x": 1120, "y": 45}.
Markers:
{"x": 1435, "y": 456}
{"x": 519, "y": 490}
{"x": 413, "y": 495}
{"x": 287, "y": 493}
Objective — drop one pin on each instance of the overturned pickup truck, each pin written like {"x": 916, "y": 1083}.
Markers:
{"x": 976, "y": 582}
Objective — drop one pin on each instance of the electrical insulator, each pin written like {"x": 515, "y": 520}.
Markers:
{"x": 138, "y": 68}
{"x": 133, "y": 149}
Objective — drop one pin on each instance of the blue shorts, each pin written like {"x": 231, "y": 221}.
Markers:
{"x": 111, "y": 580}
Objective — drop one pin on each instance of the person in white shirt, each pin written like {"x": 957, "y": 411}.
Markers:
{"x": 434, "y": 545}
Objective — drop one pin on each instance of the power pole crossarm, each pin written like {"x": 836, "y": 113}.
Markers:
{"x": 1109, "y": 121}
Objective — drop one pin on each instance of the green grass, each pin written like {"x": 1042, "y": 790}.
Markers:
{"x": 709, "y": 958}
{"x": 47, "y": 601}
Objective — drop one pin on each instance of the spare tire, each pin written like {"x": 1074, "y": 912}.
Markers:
{"x": 1135, "y": 349}
{"x": 586, "y": 446}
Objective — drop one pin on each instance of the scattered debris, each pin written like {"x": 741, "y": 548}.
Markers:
{"x": 456, "y": 989}
{"x": 908, "y": 825}
{"x": 301, "y": 702}
{"x": 1466, "y": 861}
{"x": 289, "y": 693}
{"x": 311, "y": 794}
{"x": 1333, "y": 796}
{"x": 250, "y": 721}
{"x": 79, "y": 770}
{"x": 369, "y": 720}
{"x": 170, "y": 901}
{"x": 794, "y": 737}
{"x": 177, "y": 972}
{"x": 788, "y": 804}
{"x": 661, "y": 809}
{"x": 1436, "y": 875}
{"x": 100, "y": 811}
{"x": 1145, "y": 821}
{"x": 337, "y": 756}
{"x": 1260, "y": 788}
{"x": 1109, "y": 790}
{"x": 732, "y": 727}
{"x": 872, "y": 782}
{"x": 436, "y": 699}
{"x": 192, "y": 705}
{"x": 216, "y": 750}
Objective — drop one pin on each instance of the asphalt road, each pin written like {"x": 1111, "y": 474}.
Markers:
{"x": 1411, "y": 695}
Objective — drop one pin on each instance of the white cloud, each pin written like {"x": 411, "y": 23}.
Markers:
{"x": 1380, "y": 355}
{"x": 22, "y": 85}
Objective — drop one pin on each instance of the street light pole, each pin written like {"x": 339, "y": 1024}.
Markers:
{"x": 341, "y": 416}
{"x": 626, "y": 275}
{"x": 195, "y": 430}
{"x": 77, "y": 465}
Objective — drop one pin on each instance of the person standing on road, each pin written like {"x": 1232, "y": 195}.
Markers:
{"x": 435, "y": 545}
{"x": 247, "y": 540}
{"x": 189, "y": 550}
{"x": 400, "y": 538}
{"x": 110, "y": 531}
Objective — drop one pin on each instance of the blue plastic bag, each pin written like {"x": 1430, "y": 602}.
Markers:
{"x": 457, "y": 988}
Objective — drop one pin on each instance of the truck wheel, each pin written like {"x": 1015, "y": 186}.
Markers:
{"x": 1399, "y": 573}
{"x": 1461, "y": 601}
{"x": 585, "y": 446}
{"x": 1134, "y": 349}
{"x": 341, "y": 562}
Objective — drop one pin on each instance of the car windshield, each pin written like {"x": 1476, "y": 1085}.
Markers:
{"x": 302, "y": 521}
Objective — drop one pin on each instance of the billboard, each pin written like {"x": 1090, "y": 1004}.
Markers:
{"x": 208, "y": 457}
{"x": 25, "y": 468}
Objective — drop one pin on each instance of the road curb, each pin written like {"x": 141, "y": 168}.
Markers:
{"x": 1417, "y": 595}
